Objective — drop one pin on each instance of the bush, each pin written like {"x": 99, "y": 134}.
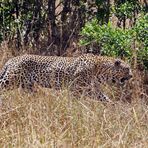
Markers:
{"x": 117, "y": 42}
{"x": 140, "y": 33}
{"x": 112, "y": 41}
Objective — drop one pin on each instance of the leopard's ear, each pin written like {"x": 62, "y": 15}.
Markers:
{"x": 117, "y": 63}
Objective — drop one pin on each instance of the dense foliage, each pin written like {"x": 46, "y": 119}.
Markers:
{"x": 53, "y": 25}
{"x": 141, "y": 36}
{"x": 41, "y": 23}
{"x": 115, "y": 41}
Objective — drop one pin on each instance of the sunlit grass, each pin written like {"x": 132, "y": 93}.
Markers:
{"x": 53, "y": 119}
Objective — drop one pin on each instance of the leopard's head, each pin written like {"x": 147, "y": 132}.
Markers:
{"x": 121, "y": 72}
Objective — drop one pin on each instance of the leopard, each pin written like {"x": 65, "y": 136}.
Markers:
{"x": 83, "y": 74}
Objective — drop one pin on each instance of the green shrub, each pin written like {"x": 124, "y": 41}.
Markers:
{"x": 126, "y": 9}
{"x": 141, "y": 35}
{"x": 112, "y": 41}
{"x": 115, "y": 41}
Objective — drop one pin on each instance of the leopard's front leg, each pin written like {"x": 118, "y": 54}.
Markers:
{"x": 97, "y": 92}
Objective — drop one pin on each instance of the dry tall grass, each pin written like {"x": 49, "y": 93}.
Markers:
{"x": 48, "y": 119}
{"x": 54, "y": 119}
